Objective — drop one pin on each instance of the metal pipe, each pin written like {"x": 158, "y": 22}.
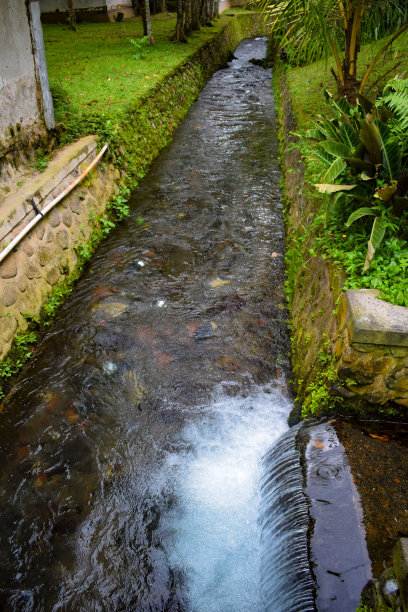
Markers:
{"x": 49, "y": 206}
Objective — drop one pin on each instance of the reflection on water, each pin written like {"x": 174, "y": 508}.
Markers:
{"x": 130, "y": 444}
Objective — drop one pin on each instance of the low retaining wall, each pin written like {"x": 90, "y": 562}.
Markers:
{"x": 350, "y": 349}
{"x": 47, "y": 255}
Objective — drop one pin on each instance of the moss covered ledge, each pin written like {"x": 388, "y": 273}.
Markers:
{"x": 339, "y": 365}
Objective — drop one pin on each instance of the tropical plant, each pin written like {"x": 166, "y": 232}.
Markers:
{"x": 139, "y": 47}
{"x": 312, "y": 28}
{"x": 395, "y": 97}
{"x": 358, "y": 148}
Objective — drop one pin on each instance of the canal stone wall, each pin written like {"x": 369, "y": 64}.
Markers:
{"x": 48, "y": 255}
{"x": 349, "y": 349}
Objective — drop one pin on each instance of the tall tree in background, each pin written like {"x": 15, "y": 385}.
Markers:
{"x": 192, "y": 14}
{"x": 147, "y": 22}
{"x": 312, "y": 28}
{"x": 72, "y": 16}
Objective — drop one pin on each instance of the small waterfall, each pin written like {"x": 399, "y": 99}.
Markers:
{"x": 287, "y": 582}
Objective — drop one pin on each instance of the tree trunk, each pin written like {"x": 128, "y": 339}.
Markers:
{"x": 187, "y": 17}
{"x": 163, "y": 6}
{"x": 72, "y": 16}
{"x": 148, "y": 31}
{"x": 195, "y": 14}
{"x": 179, "y": 35}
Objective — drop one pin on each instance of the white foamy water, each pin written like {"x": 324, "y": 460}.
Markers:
{"x": 215, "y": 534}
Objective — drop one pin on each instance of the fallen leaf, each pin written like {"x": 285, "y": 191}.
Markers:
{"x": 274, "y": 254}
{"x": 319, "y": 444}
{"x": 382, "y": 438}
{"x": 40, "y": 480}
{"x": 71, "y": 415}
{"x": 219, "y": 282}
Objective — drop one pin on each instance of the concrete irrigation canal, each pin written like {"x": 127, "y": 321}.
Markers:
{"x": 132, "y": 443}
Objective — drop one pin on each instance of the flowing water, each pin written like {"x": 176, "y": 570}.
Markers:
{"x": 131, "y": 444}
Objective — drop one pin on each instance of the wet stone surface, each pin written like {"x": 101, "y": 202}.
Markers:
{"x": 156, "y": 381}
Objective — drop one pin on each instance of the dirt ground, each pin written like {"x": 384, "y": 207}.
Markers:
{"x": 378, "y": 456}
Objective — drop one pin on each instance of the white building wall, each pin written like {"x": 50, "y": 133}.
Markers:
{"x": 18, "y": 86}
{"x": 25, "y": 97}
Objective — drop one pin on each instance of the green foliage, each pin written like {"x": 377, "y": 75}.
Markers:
{"x": 20, "y": 351}
{"x": 118, "y": 204}
{"x": 106, "y": 225}
{"x": 357, "y": 147}
{"x": 319, "y": 399}
{"x": 41, "y": 161}
{"x": 140, "y": 47}
{"x": 395, "y": 97}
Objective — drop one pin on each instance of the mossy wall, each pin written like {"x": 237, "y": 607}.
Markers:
{"x": 331, "y": 373}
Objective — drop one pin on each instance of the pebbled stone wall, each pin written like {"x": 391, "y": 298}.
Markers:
{"x": 47, "y": 254}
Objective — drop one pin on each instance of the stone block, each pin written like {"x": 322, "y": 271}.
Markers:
{"x": 399, "y": 351}
{"x": 398, "y": 382}
{"x": 28, "y": 248}
{"x": 373, "y": 321}
{"x": 63, "y": 239}
{"x": 54, "y": 218}
{"x": 9, "y": 296}
{"x": 400, "y": 562}
{"x": 52, "y": 276}
{"x": 382, "y": 365}
{"x": 8, "y": 326}
{"x": 75, "y": 205}
{"x": 8, "y": 268}
{"x": 67, "y": 218}
{"x": 44, "y": 255}
{"x": 32, "y": 271}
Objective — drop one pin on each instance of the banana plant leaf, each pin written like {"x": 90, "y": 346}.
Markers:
{"x": 326, "y": 188}
{"x": 337, "y": 149}
{"x": 391, "y": 152}
{"x": 349, "y": 136}
{"x": 370, "y": 136}
{"x": 361, "y": 212}
{"x": 377, "y": 234}
{"x": 337, "y": 167}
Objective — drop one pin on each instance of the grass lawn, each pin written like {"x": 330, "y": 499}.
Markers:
{"x": 95, "y": 65}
